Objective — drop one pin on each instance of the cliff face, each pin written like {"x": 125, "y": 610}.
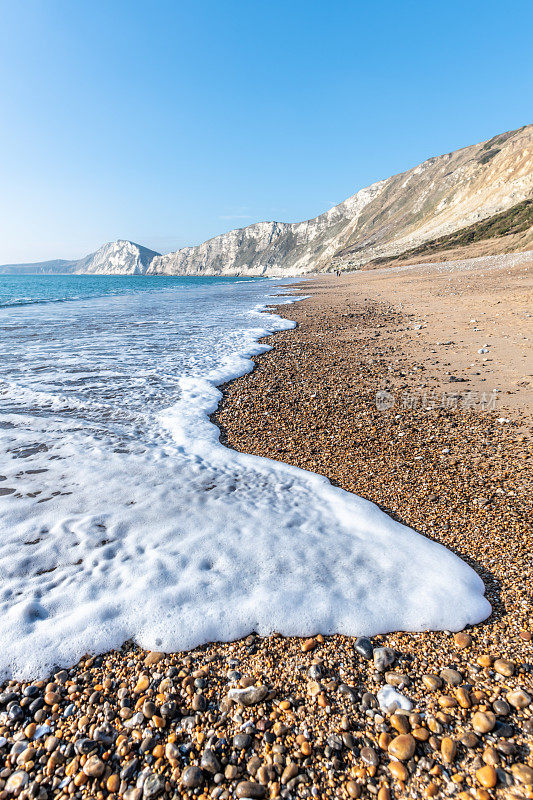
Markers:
{"x": 116, "y": 258}
{"x": 436, "y": 198}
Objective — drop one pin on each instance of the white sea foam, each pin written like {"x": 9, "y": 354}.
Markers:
{"x": 146, "y": 527}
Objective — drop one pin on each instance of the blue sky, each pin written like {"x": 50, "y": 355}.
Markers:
{"x": 170, "y": 122}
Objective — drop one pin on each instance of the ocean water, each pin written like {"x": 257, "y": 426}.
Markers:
{"x": 121, "y": 514}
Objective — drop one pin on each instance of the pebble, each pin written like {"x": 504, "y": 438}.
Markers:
{"x": 210, "y": 762}
{"x": 364, "y": 647}
{"x": 398, "y": 770}
{"x": 153, "y": 658}
{"x": 390, "y": 700}
{"x": 451, "y": 677}
{"x": 504, "y": 667}
{"x": 402, "y": 747}
{"x": 462, "y": 640}
{"x": 487, "y": 776}
{"x": 383, "y": 657}
{"x": 501, "y": 708}
{"x": 290, "y": 772}
{"x": 522, "y": 773}
{"x": 369, "y": 756}
{"x": 16, "y": 782}
{"x": 241, "y": 741}
{"x": 483, "y": 721}
{"x": 448, "y": 749}
{"x": 518, "y": 698}
{"x": 250, "y": 696}
{"x": 153, "y": 786}
{"x": 192, "y": 777}
{"x": 94, "y": 767}
{"x": 433, "y": 682}
{"x": 353, "y": 789}
{"x": 249, "y": 789}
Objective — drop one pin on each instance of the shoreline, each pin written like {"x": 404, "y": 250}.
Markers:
{"x": 311, "y": 401}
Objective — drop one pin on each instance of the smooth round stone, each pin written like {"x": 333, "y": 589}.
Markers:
{"x": 94, "y": 767}
{"x": 192, "y": 777}
{"x": 16, "y": 782}
{"x": 384, "y": 657}
{"x": 153, "y": 786}
{"x": 402, "y": 747}
{"x": 241, "y": 741}
{"x": 169, "y": 709}
{"x": 469, "y": 740}
{"x": 153, "y": 658}
{"x": 462, "y": 640}
{"x": 369, "y": 700}
{"x": 491, "y": 756}
{"x": 7, "y": 697}
{"x": 501, "y": 708}
{"x": 397, "y": 679}
{"x": 483, "y": 721}
{"x": 518, "y": 698}
{"x": 448, "y": 749}
{"x": 522, "y": 774}
{"x": 250, "y": 789}
{"x": 199, "y": 702}
{"x": 348, "y": 740}
{"x": 347, "y": 692}
{"x": 210, "y": 762}
{"x": 335, "y": 741}
{"x": 451, "y": 676}
{"x": 149, "y": 709}
{"x": 507, "y": 748}
{"x": 369, "y": 756}
{"x": 172, "y": 751}
{"x": 128, "y": 771}
{"x": 505, "y": 778}
{"x": 398, "y": 771}
{"x": 432, "y": 682}
{"x": 487, "y": 776}
{"x": 15, "y": 713}
{"x": 353, "y": 789}
{"x": 363, "y": 646}
{"x": 290, "y": 772}
{"x": 400, "y": 722}
{"x": 504, "y": 667}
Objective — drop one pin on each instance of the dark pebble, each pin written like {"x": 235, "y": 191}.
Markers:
{"x": 363, "y": 646}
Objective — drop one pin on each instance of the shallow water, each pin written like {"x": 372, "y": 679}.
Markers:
{"x": 123, "y": 517}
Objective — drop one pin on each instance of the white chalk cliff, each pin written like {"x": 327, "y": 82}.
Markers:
{"x": 442, "y": 195}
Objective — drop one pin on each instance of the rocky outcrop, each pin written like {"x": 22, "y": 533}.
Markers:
{"x": 118, "y": 258}
{"x": 115, "y": 258}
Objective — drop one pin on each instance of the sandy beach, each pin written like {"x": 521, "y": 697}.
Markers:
{"x": 381, "y": 388}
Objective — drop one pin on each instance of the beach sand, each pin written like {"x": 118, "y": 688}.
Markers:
{"x": 366, "y": 390}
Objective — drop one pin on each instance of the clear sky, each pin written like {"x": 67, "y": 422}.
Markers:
{"x": 168, "y": 122}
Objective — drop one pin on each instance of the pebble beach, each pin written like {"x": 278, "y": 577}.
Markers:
{"x": 401, "y": 715}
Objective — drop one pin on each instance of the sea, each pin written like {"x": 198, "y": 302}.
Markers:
{"x": 122, "y": 516}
